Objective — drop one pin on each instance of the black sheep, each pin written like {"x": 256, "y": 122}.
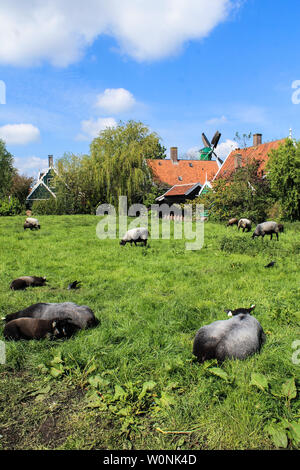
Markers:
{"x": 35, "y": 328}
{"x": 27, "y": 281}
{"x": 235, "y": 338}
{"x": 80, "y": 315}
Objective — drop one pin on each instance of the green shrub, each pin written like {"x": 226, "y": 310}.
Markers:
{"x": 10, "y": 206}
{"x": 45, "y": 207}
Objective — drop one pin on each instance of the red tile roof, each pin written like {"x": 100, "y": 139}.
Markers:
{"x": 184, "y": 171}
{"x": 259, "y": 152}
{"x": 180, "y": 189}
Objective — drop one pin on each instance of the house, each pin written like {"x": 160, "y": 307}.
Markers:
{"x": 44, "y": 187}
{"x": 173, "y": 171}
{"x": 239, "y": 157}
{"x": 179, "y": 193}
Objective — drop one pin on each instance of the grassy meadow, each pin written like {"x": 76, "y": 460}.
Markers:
{"x": 132, "y": 382}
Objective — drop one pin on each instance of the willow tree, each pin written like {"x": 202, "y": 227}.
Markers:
{"x": 118, "y": 157}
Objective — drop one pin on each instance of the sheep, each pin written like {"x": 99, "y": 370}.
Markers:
{"x": 31, "y": 223}
{"x": 235, "y": 338}
{"x": 35, "y": 328}
{"x": 135, "y": 235}
{"x": 80, "y": 315}
{"x": 280, "y": 227}
{"x": 233, "y": 221}
{"x": 27, "y": 281}
{"x": 266, "y": 228}
{"x": 245, "y": 224}
{"x": 237, "y": 311}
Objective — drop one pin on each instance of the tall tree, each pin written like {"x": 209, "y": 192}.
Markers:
{"x": 284, "y": 176}
{"x": 20, "y": 186}
{"x": 119, "y": 161}
{"x": 7, "y": 170}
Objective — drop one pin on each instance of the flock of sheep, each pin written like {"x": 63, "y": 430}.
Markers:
{"x": 237, "y": 337}
{"x": 265, "y": 228}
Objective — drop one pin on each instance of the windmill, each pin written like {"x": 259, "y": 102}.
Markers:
{"x": 209, "y": 150}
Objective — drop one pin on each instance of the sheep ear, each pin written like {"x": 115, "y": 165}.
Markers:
{"x": 252, "y": 307}
{"x": 229, "y": 313}
{"x": 53, "y": 324}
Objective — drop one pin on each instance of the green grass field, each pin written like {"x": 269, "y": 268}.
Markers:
{"x": 132, "y": 382}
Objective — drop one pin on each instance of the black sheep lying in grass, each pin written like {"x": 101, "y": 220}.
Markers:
{"x": 27, "y": 281}
{"x": 35, "y": 328}
{"x": 80, "y": 315}
{"x": 235, "y": 338}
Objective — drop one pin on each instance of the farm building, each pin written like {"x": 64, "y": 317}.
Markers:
{"x": 179, "y": 193}
{"x": 185, "y": 178}
{"x": 239, "y": 157}
{"x": 44, "y": 187}
{"x": 174, "y": 171}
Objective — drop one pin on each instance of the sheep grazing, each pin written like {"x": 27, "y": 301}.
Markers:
{"x": 233, "y": 221}
{"x": 235, "y": 338}
{"x": 35, "y": 328}
{"x": 31, "y": 223}
{"x": 245, "y": 224}
{"x": 135, "y": 235}
{"x": 27, "y": 281}
{"x": 266, "y": 228}
{"x": 80, "y": 315}
{"x": 280, "y": 227}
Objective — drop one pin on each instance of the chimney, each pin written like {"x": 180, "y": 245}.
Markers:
{"x": 257, "y": 139}
{"x": 174, "y": 154}
{"x": 50, "y": 161}
{"x": 237, "y": 161}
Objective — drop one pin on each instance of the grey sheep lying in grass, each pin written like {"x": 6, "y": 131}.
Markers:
{"x": 235, "y": 338}
{"x": 32, "y": 223}
{"x": 267, "y": 228}
{"x": 135, "y": 235}
{"x": 245, "y": 224}
{"x": 27, "y": 281}
{"x": 35, "y": 328}
{"x": 80, "y": 315}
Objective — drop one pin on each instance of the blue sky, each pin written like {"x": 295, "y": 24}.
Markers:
{"x": 181, "y": 67}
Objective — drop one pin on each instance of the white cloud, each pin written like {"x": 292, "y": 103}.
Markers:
{"x": 19, "y": 134}
{"x": 59, "y": 31}
{"x": 224, "y": 149}
{"x": 217, "y": 120}
{"x": 115, "y": 100}
{"x": 192, "y": 153}
{"x": 30, "y": 165}
{"x": 91, "y": 127}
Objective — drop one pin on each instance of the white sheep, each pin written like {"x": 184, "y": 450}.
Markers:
{"x": 31, "y": 223}
{"x": 245, "y": 224}
{"x": 135, "y": 235}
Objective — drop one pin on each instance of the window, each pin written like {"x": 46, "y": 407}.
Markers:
{"x": 180, "y": 178}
